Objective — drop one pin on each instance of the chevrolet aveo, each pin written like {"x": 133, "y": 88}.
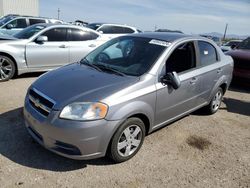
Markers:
{"x": 124, "y": 90}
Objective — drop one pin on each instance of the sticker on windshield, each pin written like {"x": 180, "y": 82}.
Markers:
{"x": 160, "y": 43}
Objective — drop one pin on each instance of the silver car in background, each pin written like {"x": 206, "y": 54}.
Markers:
{"x": 124, "y": 90}
{"x": 14, "y": 23}
{"x": 43, "y": 47}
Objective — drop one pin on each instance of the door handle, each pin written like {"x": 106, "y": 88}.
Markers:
{"x": 63, "y": 46}
{"x": 219, "y": 70}
{"x": 193, "y": 80}
{"x": 92, "y": 45}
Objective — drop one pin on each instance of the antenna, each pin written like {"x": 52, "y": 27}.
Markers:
{"x": 58, "y": 13}
{"x": 225, "y": 32}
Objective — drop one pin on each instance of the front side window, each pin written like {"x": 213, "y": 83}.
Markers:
{"x": 208, "y": 54}
{"x": 127, "y": 55}
{"x": 19, "y": 23}
{"x": 80, "y": 35}
{"x": 56, "y": 35}
{"x": 182, "y": 58}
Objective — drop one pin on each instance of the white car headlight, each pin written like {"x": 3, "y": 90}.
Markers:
{"x": 84, "y": 111}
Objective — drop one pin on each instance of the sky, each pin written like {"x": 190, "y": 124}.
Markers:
{"x": 189, "y": 16}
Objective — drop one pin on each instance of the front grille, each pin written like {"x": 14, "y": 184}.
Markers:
{"x": 40, "y": 102}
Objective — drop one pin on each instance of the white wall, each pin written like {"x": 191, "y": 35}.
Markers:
{"x": 23, "y": 7}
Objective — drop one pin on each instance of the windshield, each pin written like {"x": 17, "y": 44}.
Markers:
{"x": 29, "y": 32}
{"x": 4, "y": 20}
{"x": 127, "y": 55}
{"x": 93, "y": 26}
{"x": 245, "y": 44}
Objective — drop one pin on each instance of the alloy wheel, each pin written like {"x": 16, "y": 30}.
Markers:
{"x": 129, "y": 140}
{"x": 5, "y": 68}
{"x": 217, "y": 100}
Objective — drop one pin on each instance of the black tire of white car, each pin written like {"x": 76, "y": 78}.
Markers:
{"x": 7, "y": 68}
{"x": 130, "y": 134}
{"x": 215, "y": 102}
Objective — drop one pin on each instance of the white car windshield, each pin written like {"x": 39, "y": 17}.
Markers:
{"x": 29, "y": 31}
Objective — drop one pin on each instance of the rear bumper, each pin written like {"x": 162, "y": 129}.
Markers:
{"x": 71, "y": 139}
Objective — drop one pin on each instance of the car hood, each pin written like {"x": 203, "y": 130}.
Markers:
{"x": 6, "y": 37}
{"x": 80, "y": 83}
{"x": 243, "y": 54}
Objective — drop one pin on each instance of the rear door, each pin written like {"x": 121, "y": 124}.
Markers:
{"x": 173, "y": 103}
{"x": 210, "y": 67}
{"x": 53, "y": 53}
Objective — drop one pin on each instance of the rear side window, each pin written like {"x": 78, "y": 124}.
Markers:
{"x": 128, "y": 30}
{"x": 208, "y": 54}
{"x": 107, "y": 29}
{"x": 36, "y": 21}
{"x": 57, "y": 34}
{"x": 19, "y": 23}
{"x": 80, "y": 35}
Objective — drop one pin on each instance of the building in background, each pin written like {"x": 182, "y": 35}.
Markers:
{"x": 22, "y": 7}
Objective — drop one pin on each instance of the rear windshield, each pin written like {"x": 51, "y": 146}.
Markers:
{"x": 245, "y": 44}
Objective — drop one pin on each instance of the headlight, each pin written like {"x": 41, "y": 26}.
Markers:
{"x": 84, "y": 111}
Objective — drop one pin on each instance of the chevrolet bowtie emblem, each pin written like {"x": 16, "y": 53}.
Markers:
{"x": 37, "y": 103}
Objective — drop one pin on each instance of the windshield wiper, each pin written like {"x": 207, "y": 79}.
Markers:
{"x": 86, "y": 62}
{"x": 107, "y": 68}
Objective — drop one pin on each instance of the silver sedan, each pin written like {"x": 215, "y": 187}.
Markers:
{"x": 43, "y": 47}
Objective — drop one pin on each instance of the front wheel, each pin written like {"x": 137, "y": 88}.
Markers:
{"x": 128, "y": 140}
{"x": 215, "y": 103}
{"x": 7, "y": 68}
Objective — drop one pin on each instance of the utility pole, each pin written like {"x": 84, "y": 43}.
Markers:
{"x": 58, "y": 13}
{"x": 225, "y": 32}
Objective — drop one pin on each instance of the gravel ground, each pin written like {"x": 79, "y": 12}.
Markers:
{"x": 196, "y": 151}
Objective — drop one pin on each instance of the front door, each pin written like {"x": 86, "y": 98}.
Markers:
{"x": 172, "y": 103}
{"x": 50, "y": 54}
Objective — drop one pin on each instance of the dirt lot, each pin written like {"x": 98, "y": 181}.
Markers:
{"x": 196, "y": 151}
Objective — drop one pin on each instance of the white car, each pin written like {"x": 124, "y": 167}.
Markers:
{"x": 113, "y": 30}
{"x": 230, "y": 45}
{"x": 43, "y": 47}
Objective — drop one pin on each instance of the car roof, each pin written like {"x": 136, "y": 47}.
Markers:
{"x": 165, "y": 36}
{"x": 66, "y": 25}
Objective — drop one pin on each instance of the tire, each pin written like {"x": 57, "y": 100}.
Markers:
{"x": 7, "y": 68}
{"x": 215, "y": 102}
{"x": 124, "y": 145}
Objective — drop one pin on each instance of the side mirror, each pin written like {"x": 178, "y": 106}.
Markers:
{"x": 100, "y": 32}
{"x": 9, "y": 26}
{"x": 172, "y": 79}
{"x": 41, "y": 39}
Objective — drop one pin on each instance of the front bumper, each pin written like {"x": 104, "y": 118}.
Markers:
{"x": 71, "y": 139}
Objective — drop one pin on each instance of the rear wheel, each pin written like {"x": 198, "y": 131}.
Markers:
{"x": 215, "y": 103}
{"x": 128, "y": 140}
{"x": 7, "y": 68}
